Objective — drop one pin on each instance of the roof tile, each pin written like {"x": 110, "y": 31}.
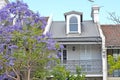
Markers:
{"x": 112, "y": 34}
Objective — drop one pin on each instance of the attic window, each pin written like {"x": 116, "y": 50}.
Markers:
{"x": 73, "y": 24}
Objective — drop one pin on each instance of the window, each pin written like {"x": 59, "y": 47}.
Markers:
{"x": 116, "y": 53}
{"x": 73, "y": 24}
{"x": 64, "y": 54}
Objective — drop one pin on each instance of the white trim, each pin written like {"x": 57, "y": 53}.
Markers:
{"x": 94, "y": 75}
{"x": 80, "y": 42}
{"x": 104, "y": 55}
{"x": 49, "y": 22}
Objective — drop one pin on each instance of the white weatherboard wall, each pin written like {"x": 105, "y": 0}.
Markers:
{"x": 73, "y": 55}
{"x": 83, "y": 52}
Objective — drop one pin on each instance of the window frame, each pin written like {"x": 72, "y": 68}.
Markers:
{"x": 73, "y": 23}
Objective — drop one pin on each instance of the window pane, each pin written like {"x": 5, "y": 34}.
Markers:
{"x": 116, "y": 73}
{"x": 115, "y": 53}
{"x": 64, "y": 55}
{"x": 73, "y": 27}
{"x": 73, "y": 20}
{"x": 73, "y": 24}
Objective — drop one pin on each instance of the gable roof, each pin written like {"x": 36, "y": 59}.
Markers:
{"x": 112, "y": 35}
{"x": 73, "y": 12}
{"x": 89, "y": 32}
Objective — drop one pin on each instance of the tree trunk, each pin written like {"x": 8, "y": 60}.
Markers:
{"x": 29, "y": 70}
{"x": 18, "y": 77}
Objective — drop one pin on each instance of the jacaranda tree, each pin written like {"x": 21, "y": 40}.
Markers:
{"x": 23, "y": 46}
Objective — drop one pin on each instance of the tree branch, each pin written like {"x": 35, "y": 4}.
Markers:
{"x": 18, "y": 77}
{"x": 10, "y": 75}
{"x": 115, "y": 18}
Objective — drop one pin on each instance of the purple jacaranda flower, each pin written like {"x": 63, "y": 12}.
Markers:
{"x": 6, "y": 56}
{"x": 11, "y": 63}
{"x": 28, "y": 13}
{"x": 1, "y": 77}
{"x": 57, "y": 57}
{"x": 4, "y": 14}
{"x": 1, "y": 67}
{"x": 8, "y": 29}
{"x": 49, "y": 35}
{"x": 42, "y": 19}
{"x": 59, "y": 54}
{"x": 8, "y": 52}
{"x": 7, "y": 40}
{"x": 51, "y": 44}
{"x": 50, "y": 56}
{"x": 36, "y": 20}
{"x": 5, "y": 77}
{"x": 13, "y": 10}
{"x": 44, "y": 22}
{"x": 17, "y": 27}
{"x": 43, "y": 26}
{"x": 11, "y": 19}
{"x": 13, "y": 47}
{"x": 61, "y": 46}
{"x": 43, "y": 36}
{"x": 2, "y": 47}
{"x": 39, "y": 38}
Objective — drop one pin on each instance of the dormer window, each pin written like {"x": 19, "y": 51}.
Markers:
{"x": 73, "y": 24}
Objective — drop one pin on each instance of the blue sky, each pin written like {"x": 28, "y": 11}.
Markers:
{"x": 58, "y": 7}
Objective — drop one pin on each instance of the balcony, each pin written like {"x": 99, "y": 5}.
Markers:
{"x": 87, "y": 66}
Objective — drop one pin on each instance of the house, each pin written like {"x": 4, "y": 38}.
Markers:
{"x": 84, "y": 43}
{"x": 112, "y": 44}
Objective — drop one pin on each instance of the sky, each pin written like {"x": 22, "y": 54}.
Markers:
{"x": 57, "y": 8}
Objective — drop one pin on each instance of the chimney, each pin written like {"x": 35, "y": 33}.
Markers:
{"x": 95, "y": 13}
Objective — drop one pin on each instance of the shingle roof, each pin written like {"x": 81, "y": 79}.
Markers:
{"x": 112, "y": 35}
{"x": 89, "y": 32}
